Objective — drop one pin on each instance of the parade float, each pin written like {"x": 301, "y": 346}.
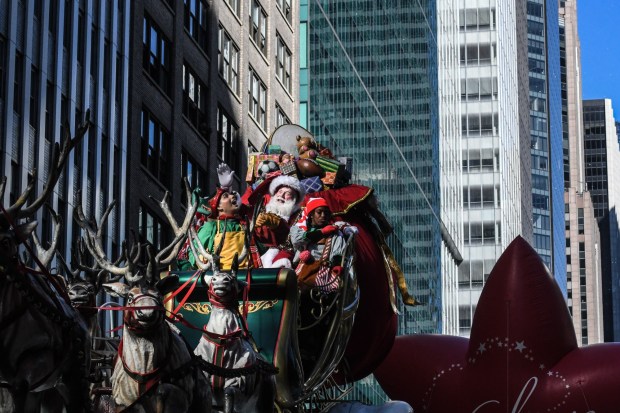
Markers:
{"x": 232, "y": 315}
{"x": 277, "y": 300}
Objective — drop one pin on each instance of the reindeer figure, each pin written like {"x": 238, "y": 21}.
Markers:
{"x": 155, "y": 370}
{"x": 43, "y": 342}
{"x": 225, "y": 342}
{"x": 83, "y": 290}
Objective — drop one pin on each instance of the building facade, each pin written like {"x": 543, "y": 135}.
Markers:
{"x": 58, "y": 60}
{"x": 209, "y": 82}
{"x": 380, "y": 84}
{"x": 381, "y": 106}
{"x": 495, "y": 159}
{"x": 583, "y": 241}
{"x": 602, "y": 160}
{"x": 546, "y": 136}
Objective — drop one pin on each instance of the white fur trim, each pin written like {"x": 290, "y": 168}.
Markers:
{"x": 291, "y": 182}
{"x": 267, "y": 258}
{"x": 282, "y": 262}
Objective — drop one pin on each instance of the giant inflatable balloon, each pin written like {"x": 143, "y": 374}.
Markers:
{"x": 522, "y": 355}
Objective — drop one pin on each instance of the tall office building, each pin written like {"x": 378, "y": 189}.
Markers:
{"x": 59, "y": 59}
{"x": 546, "y": 135}
{"x": 602, "y": 160}
{"x": 209, "y": 81}
{"x": 495, "y": 159}
{"x": 583, "y": 243}
{"x": 378, "y": 95}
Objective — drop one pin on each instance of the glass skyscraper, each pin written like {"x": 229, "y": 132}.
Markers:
{"x": 375, "y": 93}
{"x": 546, "y": 135}
{"x": 379, "y": 84}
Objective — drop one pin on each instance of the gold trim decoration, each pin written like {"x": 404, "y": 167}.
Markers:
{"x": 253, "y": 307}
{"x": 352, "y": 204}
{"x": 200, "y": 308}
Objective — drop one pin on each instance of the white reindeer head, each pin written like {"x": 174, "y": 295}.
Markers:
{"x": 143, "y": 287}
{"x": 146, "y": 299}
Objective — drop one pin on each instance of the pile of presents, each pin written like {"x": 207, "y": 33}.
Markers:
{"x": 314, "y": 165}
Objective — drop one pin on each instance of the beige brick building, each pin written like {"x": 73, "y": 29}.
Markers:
{"x": 583, "y": 246}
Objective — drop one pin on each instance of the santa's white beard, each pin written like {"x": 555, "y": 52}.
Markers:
{"x": 282, "y": 209}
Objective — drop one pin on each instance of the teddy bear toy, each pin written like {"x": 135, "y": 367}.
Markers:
{"x": 308, "y": 148}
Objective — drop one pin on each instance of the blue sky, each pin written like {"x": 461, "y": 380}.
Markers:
{"x": 599, "y": 33}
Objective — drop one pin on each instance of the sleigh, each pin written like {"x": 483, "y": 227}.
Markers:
{"x": 274, "y": 317}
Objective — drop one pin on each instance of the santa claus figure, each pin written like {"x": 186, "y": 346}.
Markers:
{"x": 274, "y": 222}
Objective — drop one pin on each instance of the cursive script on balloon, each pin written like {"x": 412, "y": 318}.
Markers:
{"x": 528, "y": 388}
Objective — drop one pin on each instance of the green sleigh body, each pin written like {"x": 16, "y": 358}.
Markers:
{"x": 273, "y": 322}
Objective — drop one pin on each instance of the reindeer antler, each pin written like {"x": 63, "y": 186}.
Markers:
{"x": 59, "y": 159}
{"x": 45, "y": 255}
{"x": 212, "y": 260}
{"x": 92, "y": 273}
{"x": 131, "y": 270}
{"x": 198, "y": 249}
{"x": 170, "y": 252}
{"x": 93, "y": 241}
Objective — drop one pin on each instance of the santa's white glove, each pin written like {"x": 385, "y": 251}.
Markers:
{"x": 340, "y": 224}
{"x": 225, "y": 176}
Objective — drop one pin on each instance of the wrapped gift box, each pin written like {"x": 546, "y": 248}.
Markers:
{"x": 329, "y": 165}
{"x": 329, "y": 178}
{"x": 288, "y": 168}
{"x": 311, "y": 185}
{"x": 287, "y": 157}
{"x": 249, "y": 176}
{"x": 274, "y": 150}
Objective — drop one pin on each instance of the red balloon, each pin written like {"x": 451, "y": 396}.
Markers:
{"x": 522, "y": 355}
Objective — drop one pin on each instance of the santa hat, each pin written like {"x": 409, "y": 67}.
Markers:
{"x": 314, "y": 203}
{"x": 290, "y": 182}
{"x": 311, "y": 205}
{"x": 215, "y": 201}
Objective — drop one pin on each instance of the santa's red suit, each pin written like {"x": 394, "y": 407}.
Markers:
{"x": 273, "y": 224}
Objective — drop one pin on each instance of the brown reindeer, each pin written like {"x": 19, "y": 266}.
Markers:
{"x": 43, "y": 342}
{"x": 226, "y": 344}
{"x": 155, "y": 370}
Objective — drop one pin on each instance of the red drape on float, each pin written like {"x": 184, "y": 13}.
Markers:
{"x": 375, "y": 323}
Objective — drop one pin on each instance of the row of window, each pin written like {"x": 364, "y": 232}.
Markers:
{"x": 479, "y": 124}
{"x": 475, "y": 197}
{"x": 156, "y": 140}
{"x": 482, "y": 233}
{"x": 476, "y": 19}
{"x": 479, "y": 88}
{"x": 157, "y": 63}
{"x": 594, "y": 143}
{"x": 475, "y": 272}
{"x": 478, "y": 54}
{"x": 285, "y": 6}
{"x": 156, "y": 146}
{"x": 595, "y": 129}
{"x": 478, "y": 165}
